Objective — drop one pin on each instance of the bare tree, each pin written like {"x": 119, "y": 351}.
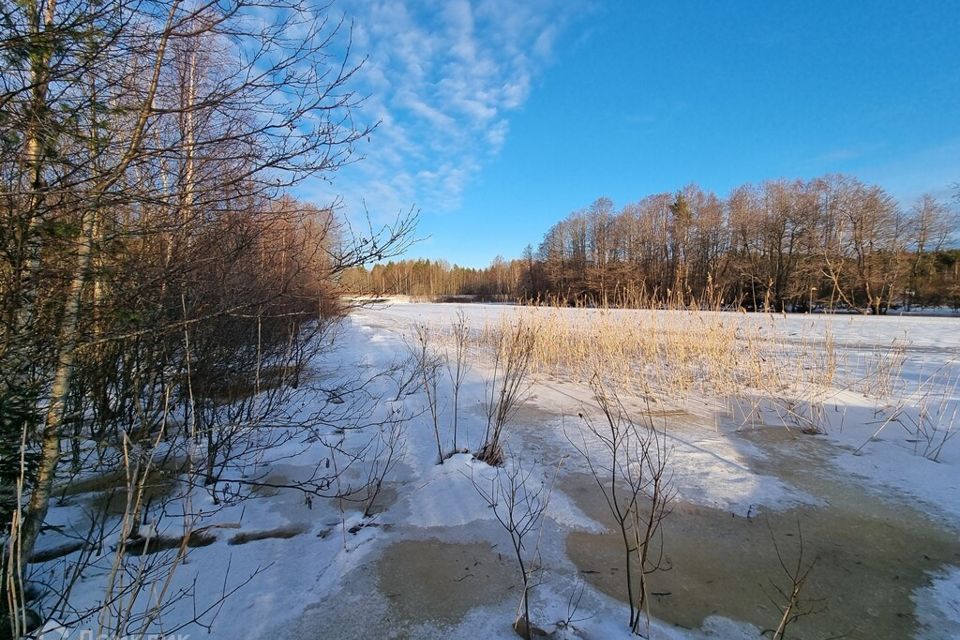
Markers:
{"x": 929, "y": 227}
{"x": 154, "y": 265}
{"x": 782, "y": 245}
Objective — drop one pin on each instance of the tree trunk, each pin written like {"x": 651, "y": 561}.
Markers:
{"x": 56, "y": 409}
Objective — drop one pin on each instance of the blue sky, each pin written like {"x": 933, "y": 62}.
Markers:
{"x": 500, "y": 117}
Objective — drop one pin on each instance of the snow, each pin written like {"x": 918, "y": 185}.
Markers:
{"x": 708, "y": 469}
{"x": 712, "y": 466}
{"x": 938, "y": 606}
{"x": 564, "y": 512}
{"x": 888, "y": 467}
{"x": 445, "y": 495}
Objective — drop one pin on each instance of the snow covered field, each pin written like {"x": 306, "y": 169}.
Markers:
{"x": 877, "y": 496}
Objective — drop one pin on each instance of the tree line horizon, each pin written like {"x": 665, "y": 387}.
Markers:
{"x": 832, "y": 242}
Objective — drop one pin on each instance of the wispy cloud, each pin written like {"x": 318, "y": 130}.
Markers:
{"x": 442, "y": 79}
{"x": 845, "y": 154}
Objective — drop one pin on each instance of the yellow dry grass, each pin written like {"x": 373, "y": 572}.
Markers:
{"x": 674, "y": 353}
{"x": 743, "y": 365}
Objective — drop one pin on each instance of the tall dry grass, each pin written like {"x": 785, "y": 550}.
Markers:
{"x": 674, "y": 352}
{"x": 717, "y": 364}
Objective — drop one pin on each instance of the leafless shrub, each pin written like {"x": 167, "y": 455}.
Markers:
{"x": 513, "y": 349}
{"x": 428, "y": 367}
{"x": 406, "y": 376}
{"x": 789, "y": 599}
{"x": 383, "y": 460}
{"x": 457, "y": 365}
{"x": 519, "y": 499}
{"x": 631, "y": 470}
{"x": 573, "y": 605}
{"x": 155, "y": 267}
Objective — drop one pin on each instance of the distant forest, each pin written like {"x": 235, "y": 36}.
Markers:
{"x": 832, "y": 242}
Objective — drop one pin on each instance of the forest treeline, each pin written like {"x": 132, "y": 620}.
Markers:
{"x": 833, "y": 242}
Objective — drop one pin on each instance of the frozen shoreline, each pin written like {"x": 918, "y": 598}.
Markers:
{"x": 331, "y": 563}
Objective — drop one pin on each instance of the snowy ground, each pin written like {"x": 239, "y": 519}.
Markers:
{"x": 433, "y": 561}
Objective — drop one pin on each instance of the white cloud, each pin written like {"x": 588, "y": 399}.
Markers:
{"x": 497, "y": 135}
{"x": 442, "y": 78}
